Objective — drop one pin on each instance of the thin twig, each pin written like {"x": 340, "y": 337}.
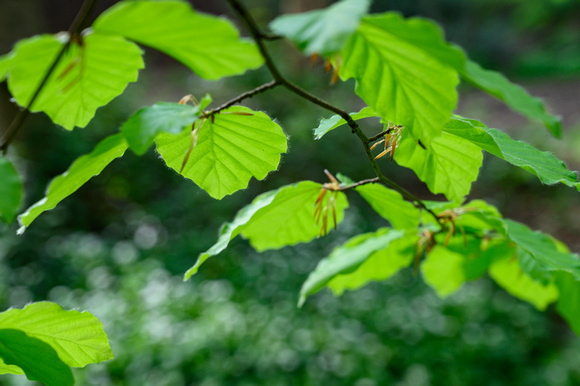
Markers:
{"x": 246, "y": 95}
{"x": 380, "y": 135}
{"x": 22, "y": 114}
{"x": 360, "y": 183}
{"x": 271, "y": 66}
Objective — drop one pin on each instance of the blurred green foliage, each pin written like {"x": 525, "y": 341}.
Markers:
{"x": 120, "y": 245}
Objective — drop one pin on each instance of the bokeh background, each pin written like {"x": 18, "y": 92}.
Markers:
{"x": 120, "y": 245}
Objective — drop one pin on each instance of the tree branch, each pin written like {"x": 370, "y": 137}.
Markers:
{"x": 79, "y": 20}
{"x": 279, "y": 78}
{"x": 246, "y": 95}
{"x": 360, "y": 183}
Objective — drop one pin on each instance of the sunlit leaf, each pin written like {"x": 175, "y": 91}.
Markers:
{"x": 89, "y": 75}
{"x": 511, "y": 94}
{"x": 277, "y": 219}
{"x": 508, "y": 274}
{"x": 329, "y": 124}
{"x": 390, "y": 205}
{"x": 238, "y": 145}
{"x": 443, "y": 271}
{"x": 378, "y": 266}
{"x": 33, "y": 357}
{"x": 544, "y": 165}
{"x": 448, "y": 166}
{"x": 77, "y": 337}
{"x": 400, "y": 78}
{"x": 208, "y": 45}
{"x": 10, "y": 191}
{"x": 542, "y": 249}
{"x": 142, "y": 127}
{"x": 82, "y": 170}
{"x": 569, "y": 303}
{"x": 322, "y": 31}
{"x": 348, "y": 257}
{"x": 289, "y": 219}
{"x": 6, "y": 62}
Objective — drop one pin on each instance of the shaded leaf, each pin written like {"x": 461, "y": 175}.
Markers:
{"x": 10, "y": 191}
{"x": 543, "y": 249}
{"x": 82, "y": 170}
{"x": 35, "y": 358}
{"x": 347, "y": 258}
{"x": 508, "y": 274}
{"x": 335, "y": 121}
{"x": 448, "y": 166}
{"x": 209, "y": 45}
{"x": 378, "y": 266}
{"x": 569, "y": 303}
{"x": 544, "y": 165}
{"x": 88, "y": 76}
{"x": 322, "y": 31}
{"x": 390, "y": 205}
{"x": 511, "y": 94}
{"x": 229, "y": 151}
{"x": 142, "y": 127}
{"x": 443, "y": 271}
{"x": 77, "y": 337}
{"x": 399, "y": 76}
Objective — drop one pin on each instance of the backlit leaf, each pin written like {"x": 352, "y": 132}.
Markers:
{"x": 209, "y": 45}
{"x": 448, "y": 166}
{"x": 38, "y": 360}
{"x": 544, "y": 165}
{"x": 346, "y": 258}
{"x": 508, "y": 274}
{"x": 390, "y": 205}
{"x": 229, "y": 151}
{"x": 329, "y": 124}
{"x": 378, "y": 266}
{"x": 88, "y": 76}
{"x": 512, "y": 94}
{"x": 10, "y": 191}
{"x": 443, "y": 271}
{"x": 399, "y": 77}
{"x": 82, "y": 170}
{"x": 142, "y": 127}
{"x": 322, "y": 31}
{"x": 77, "y": 337}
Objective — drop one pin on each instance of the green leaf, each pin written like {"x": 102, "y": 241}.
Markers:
{"x": 88, "y": 76}
{"x": 276, "y": 219}
{"x": 10, "y": 191}
{"x": 208, "y": 45}
{"x": 347, "y": 258}
{"x": 448, "y": 166}
{"x": 569, "y": 303}
{"x": 508, "y": 274}
{"x": 82, "y": 170}
{"x": 77, "y": 337}
{"x": 400, "y": 76}
{"x": 378, "y": 266}
{"x": 543, "y": 249}
{"x": 390, "y": 205}
{"x": 443, "y": 271}
{"x": 513, "y": 95}
{"x": 239, "y": 144}
{"x": 38, "y": 360}
{"x": 335, "y": 121}
{"x": 230, "y": 230}
{"x": 142, "y": 127}
{"x": 544, "y": 165}
{"x": 289, "y": 219}
{"x": 6, "y": 63}
{"x": 322, "y": 31}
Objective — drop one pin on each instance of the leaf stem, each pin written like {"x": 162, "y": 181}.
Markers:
{"x": 79, "y": 20}
{"x": 258, "y": 37}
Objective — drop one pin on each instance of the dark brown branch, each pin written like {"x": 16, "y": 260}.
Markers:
{"x": 360, "y": 183}
{"x": 271, "y": 66}
{"x": 246, "y": 95}
{"x": 79, "y": 20}
{"x": 380, "y": 135}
